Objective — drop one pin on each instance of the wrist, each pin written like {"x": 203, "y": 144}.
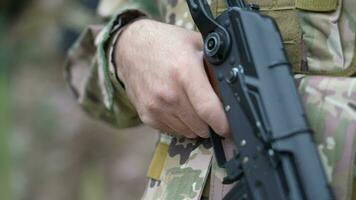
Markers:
{"x": 114, "y": 43}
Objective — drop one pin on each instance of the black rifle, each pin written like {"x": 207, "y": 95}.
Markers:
{"x": 275, "y": 157}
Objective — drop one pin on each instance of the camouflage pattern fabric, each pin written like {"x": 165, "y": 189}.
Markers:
{"x": 217, "y": 189}
{"x": 316, "y": 43}
{"x": 329, "y": 40}
{"x": 184, "y": 172}
{"x": 330, "y": 104}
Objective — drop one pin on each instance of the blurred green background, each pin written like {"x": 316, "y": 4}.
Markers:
{"x": 49, "y": 148}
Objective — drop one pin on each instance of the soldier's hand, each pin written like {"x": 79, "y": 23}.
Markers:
{"x": 162, "y": 68}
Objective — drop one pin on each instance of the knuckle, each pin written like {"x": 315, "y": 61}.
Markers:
{"x": 170, "y": 97}
{"x": 166, "y": 95}
{"x": 149, "y": 106}
{"x": 194, "y": 38}
{"x": 205, "y": 110}
{"x": 175, "y": 72}
{"x": 152, "y": 106}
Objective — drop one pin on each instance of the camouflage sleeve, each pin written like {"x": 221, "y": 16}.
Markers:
{"x": 87, "y": 69}
{"x": 108, "y": 8}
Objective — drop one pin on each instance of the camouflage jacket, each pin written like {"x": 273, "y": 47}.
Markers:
{"x": 319, "y": 38}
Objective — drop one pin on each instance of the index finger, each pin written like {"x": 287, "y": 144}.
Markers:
{"x": 203, "y": 98}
